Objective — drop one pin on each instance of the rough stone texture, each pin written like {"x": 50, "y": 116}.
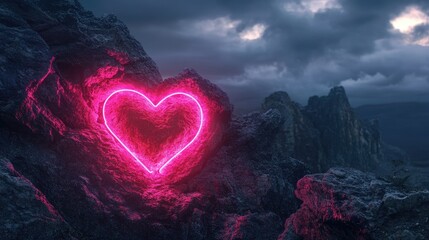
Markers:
{"x": 340, "y": 130}
{"x": 61, "y": 170}
{"x": 35, "y": 31}
{"x": 349, "y": 204}
{"x": 297, "y": 136}
{"x": 25, "y": 212}
{"x": 326, "y": 132}
{"x": 90, "y": 57}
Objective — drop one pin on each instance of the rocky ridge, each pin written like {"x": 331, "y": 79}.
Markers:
{"x": 349, "y": 204}
{"x": 60, "y": 180}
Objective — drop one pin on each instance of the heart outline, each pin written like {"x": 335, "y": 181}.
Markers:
{"x": 155, "y": 106}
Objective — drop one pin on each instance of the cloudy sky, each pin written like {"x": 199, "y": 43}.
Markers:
{"x": 377, "y": 49}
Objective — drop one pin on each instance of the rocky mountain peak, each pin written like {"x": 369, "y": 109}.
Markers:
{"x": 280, "y": 97}
{"x": 335, "y": 103}
{"x": 339, "y": 130}
{"x": 61, "y": 176}
{"x": 338, "y": 91}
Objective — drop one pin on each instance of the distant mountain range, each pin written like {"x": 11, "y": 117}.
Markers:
{"x": 405, "y": 125}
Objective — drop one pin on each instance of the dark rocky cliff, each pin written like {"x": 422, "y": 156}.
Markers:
{"x": 345, "y": 140}
{"x": 325, "y": 133}
{"x": 349, "y": 204}
{"x": 60, "y": 180}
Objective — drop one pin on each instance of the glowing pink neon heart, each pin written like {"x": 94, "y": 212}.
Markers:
{"x": 201, "y": 116}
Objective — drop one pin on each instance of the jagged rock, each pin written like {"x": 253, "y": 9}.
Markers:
{"x": 345, "y": 140}
{"x": 30, "y": 212}
{"x": 297, "y": 137}
{"x": 325, "y": 133}
{"x": 349, "y": 204}
{"x": 91, "y": 56}
{"x": 251, "y": 226}
{"x": 241, "y": 189}
{"x": 35, "y": 31}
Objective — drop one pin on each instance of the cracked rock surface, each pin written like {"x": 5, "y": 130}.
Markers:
{"x": 60, "y": 179}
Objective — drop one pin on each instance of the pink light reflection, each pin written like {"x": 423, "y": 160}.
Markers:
{"x": 160, "y": 170}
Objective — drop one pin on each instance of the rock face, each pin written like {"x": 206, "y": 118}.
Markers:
{"x": 325, "y": 133}
{"x": 60, "y": 178}
{"x": 34, "y": 31}
{"x": 25, "y": 209}
{"x": 349, "y": 204}
{"x": 297, "y": 136}
{"x": 345, "y": 141}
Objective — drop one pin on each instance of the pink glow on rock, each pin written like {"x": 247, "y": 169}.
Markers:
{"x": 37, "y": 193}
{"x": 106, "y": 72}
{"x": 319, "y": 196}
{"x": 71, "y": 109}
{"x": 236, "y": 228}
{"x": 172, "y": 150}
{"x": 139, "y": 137}
{"x": 92, "y": 197}
{"x": 122, "y": 58}
{"x": 325, "y": 209}
{"x": 34, "y": 110}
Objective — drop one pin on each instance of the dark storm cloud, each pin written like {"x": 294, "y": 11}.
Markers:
{"x": 306, "y": 47}
{"x": 149, "y": 12}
